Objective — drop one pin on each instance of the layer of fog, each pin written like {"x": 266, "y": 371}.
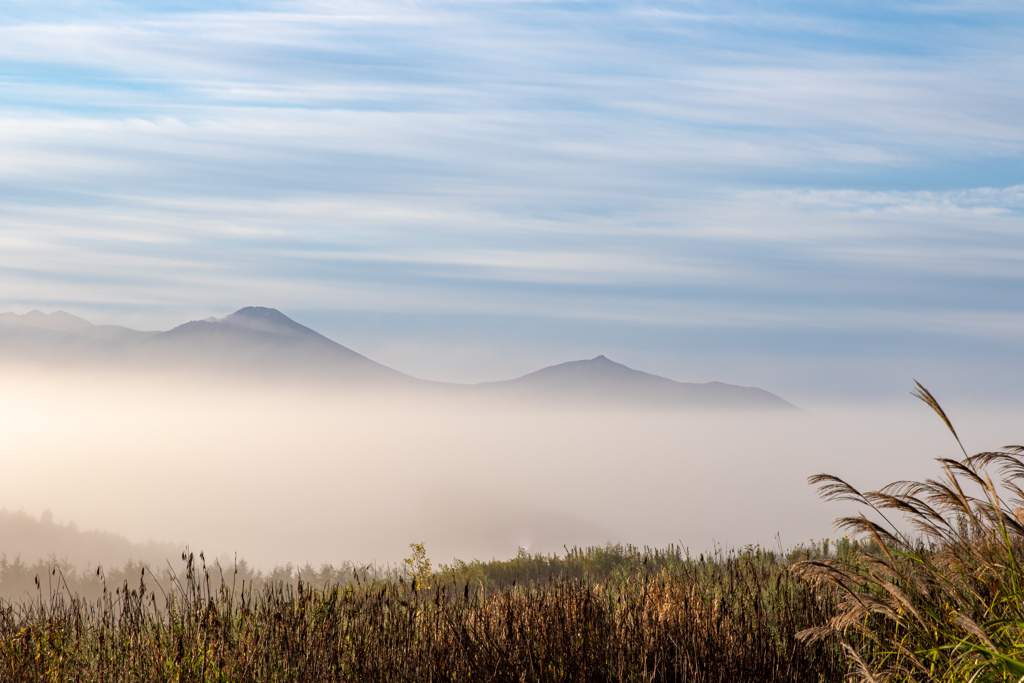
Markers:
{"x": 282, "y": 475}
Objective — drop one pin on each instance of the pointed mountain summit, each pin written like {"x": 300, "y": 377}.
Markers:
{"x": 259, "y": 341}
{"x": 603, "y": 381}
{"x": 265, "y": 319}
{"x": 593, "y": 374}
{"x": 248, "y": 324}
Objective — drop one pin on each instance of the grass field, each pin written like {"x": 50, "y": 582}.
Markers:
{"x": 603, "y": 614}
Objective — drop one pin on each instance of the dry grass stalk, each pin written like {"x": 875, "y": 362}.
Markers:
{"x": 944, "y": 601}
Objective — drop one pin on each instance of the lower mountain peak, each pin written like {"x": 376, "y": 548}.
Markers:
{"x": 58, "y": 321}
{"x": 597, "y": 364}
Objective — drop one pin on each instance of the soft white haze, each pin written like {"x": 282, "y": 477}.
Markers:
{"x": 296, "y": 475}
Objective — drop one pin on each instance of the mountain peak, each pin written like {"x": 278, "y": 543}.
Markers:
{"x": 602, "y": 380}
{"x": 600, "y": 363}
{"x": 262, "y": 318}
{"x": 261, "y": 313}
{"x": 261, "y": 340}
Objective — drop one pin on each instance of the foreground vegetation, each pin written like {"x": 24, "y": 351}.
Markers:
{"x": 605, "y": 614}
{"x": 936, "y": 597}
{"x": 944, "y": 601}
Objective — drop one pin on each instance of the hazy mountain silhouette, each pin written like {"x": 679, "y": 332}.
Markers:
{"x": 65, "y": 323}
{"x": 602, "y": 380}
{"x": 61, "y": 338}
{"x": 256, "y": 342}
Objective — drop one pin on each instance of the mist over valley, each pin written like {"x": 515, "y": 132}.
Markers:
{"x": 252, "y": 434}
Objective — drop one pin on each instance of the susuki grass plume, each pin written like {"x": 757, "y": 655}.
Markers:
{"x": 944, "y": 600}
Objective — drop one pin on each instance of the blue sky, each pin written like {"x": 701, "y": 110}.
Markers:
{"x": 824, "y": 199}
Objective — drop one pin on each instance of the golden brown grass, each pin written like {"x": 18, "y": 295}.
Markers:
{"x": 659, "y": 616}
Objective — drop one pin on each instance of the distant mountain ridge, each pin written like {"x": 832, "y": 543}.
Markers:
{"x": 605, "y": 380}
{"x": 257, "y": 342}
{"x": 65, "y": 323}
{"x": 62, "y": 339}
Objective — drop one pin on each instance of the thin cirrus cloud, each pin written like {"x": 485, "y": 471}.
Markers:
{"x": 682, "y": 165}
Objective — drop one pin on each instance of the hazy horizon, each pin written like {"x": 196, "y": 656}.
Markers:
{"x": 282, "y": 475}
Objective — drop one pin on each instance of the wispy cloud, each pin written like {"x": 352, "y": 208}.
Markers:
{"x": 686, "y": 164}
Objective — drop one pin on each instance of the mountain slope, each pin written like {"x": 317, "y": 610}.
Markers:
{"x": 600, "y": 380}
{"x": 259, "y": 341}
